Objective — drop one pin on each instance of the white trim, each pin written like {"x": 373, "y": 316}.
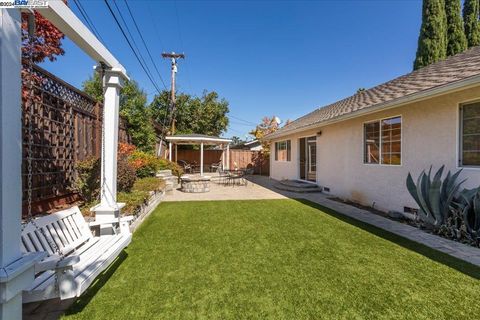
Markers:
{"x": 412, "y": 98}
{"x": 306, "y": 155}
{"x": 251, "y": 142}
{"x": 275, "y": 153}
{"x": 379, "y": 120}
{"x": 187, "y": 140}
{"x": 459, "y": 135}
{"x": 60, "y": 15}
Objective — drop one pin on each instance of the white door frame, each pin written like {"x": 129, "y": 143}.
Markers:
{"x": 307, "y": 164}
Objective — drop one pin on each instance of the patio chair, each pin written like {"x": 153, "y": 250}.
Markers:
{"x": 187, "y": 168}
{"x": 223, "y": 175}
{"x": 237, "y": 178}
{"x": 215, "y": 167}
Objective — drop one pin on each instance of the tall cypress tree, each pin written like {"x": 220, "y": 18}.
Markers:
{"x": 432, "y": 41}
{"x": 471, "y": 13}
{"x": 456, "y": 40}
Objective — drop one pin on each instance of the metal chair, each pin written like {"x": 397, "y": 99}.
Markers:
{"x": 187, "y": 168}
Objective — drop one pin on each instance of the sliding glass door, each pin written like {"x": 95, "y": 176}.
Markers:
{"x": 308, "y": 158}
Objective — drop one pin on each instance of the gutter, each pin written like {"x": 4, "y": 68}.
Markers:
{"x": 414, "y": 97}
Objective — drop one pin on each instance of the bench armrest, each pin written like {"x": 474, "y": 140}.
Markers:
{"x": 52, "y": 263}
{"x": 112, "y": 221}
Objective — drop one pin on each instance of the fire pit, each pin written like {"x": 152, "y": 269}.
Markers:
{"x": 195, "y": 183}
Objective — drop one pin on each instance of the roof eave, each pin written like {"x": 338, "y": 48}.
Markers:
{"x": 415, "y": 97}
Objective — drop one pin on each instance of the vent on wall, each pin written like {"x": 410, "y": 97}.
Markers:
{"x": 326, "y": 189}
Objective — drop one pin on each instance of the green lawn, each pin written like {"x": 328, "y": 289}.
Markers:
{"x": 276, "y": 259}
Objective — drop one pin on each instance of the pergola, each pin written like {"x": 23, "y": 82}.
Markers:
{"x": 17, "y": 268}
{"x": 201, "y": 140}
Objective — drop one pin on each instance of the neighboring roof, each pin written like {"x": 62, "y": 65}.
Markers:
{"x": 457, "y": 71}
{"x": 196, "y": 139}
{"x": 251, "y": 142}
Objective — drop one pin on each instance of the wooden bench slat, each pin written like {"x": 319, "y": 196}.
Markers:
{"x": 69, "y": 231}
{"x": 58, "y": 228}
{"x": 66, "y": 230}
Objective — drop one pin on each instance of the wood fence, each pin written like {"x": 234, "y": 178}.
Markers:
{"x": 60, "y": 125}
{"x": 242, "y": 159}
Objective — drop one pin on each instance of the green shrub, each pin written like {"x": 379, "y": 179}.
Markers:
{"x": 88, "y": 177}
{"x": 87, "y": 181}
{"x": 133, "y": 200}
{"x": 126, "y": 175}
{"x": 145, "y": 164}
{"x": 149, "y": 184}
{"x": 164, "y": 164}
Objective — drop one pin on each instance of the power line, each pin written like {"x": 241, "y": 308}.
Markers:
{"x": 144, "y": 43}
{"x": 87, "y": 19}
{"x": 240, "y": 119}
{"x": 240, "y": 123}
{"x": 131, "y": 47}
{"x": 132, "y": 38}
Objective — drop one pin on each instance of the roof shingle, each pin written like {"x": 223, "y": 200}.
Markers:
{"x": 450, "y": 70}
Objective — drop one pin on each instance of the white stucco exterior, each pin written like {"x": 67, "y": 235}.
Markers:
{"x": 430, "y": 136}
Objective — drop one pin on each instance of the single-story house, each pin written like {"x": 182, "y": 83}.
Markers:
{"x": 362, "y": 148}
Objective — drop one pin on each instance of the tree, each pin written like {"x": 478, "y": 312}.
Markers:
{"x": 237, "y": 141}
{"x": 432, "y": 41}
{"x": 471, "y": 12}
{"x": 201, "y": 115}
{"x": 456, "y": 40}
{"x": 266, "y": 126}
{"x": 133, "y": 109}
{"x": 47, "y": 41}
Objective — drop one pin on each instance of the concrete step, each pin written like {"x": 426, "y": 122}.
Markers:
{"x": 169, "y": 186}
{"x": 297, "y": 186}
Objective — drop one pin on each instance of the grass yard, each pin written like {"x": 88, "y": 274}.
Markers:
{"x": 276, "y": 259}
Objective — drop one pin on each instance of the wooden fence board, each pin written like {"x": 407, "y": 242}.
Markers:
{"x": 65, "y": 125}
{"x": 241, "y": 159}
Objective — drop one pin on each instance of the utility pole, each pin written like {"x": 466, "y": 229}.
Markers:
{"x": 173, "y": 56}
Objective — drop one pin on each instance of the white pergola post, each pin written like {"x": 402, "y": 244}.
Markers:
{"x": 170, "y": 151}
{"x": 201, "y": 159}
{"x": 228, "y": 156}
{"x": 16, "y": 270}
{"x": 109, "y": 209}
{"x": 223, "y": 156}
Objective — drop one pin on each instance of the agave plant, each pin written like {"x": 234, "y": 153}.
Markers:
{"x": 469, "y": 206}
{"x": 435, "y": 198}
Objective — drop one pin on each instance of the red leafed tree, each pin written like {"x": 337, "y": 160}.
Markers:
{"x": 46, "y": 43}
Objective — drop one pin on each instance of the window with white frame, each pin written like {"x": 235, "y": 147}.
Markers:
{"x": 470, "y": 134}
{"x": 383, "y": 141}
{"x": 282, "y": 150}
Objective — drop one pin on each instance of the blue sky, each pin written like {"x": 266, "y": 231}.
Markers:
{"x": 282, "y": 58}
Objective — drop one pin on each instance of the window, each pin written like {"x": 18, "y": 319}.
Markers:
{"x": 383, "y": 141}
{"x": 470, "y": 134}
{"x": 282, "y": 150}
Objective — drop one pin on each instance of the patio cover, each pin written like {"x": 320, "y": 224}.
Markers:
{"x": 200, "y": 139}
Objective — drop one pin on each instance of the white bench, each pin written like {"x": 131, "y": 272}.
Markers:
{"x": 83, "y": 256}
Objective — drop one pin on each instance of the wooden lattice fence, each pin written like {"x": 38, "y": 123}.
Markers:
{"x": 61, "y": 125}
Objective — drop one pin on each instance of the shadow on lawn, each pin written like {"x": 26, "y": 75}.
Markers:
{"x": 450, "y": 261}
{"x": 96, "y": 285}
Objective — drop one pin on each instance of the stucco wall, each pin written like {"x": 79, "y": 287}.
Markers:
{"x": 429, "y": 137}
